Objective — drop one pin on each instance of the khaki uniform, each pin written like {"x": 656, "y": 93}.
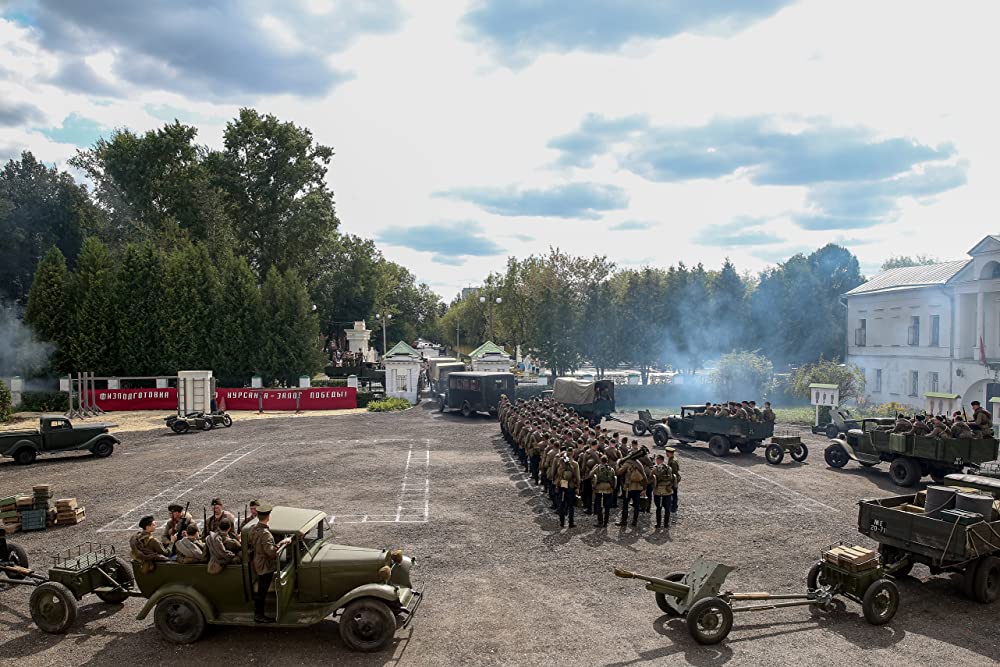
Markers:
{"x": 769, "y": 415}
{"x": 982, "y": 418}
{"x": 218, "y": 555}
{"x": 212, "y": 523}
{"x": 190, "y": 552}
{"x": 939, "y": 432}
{"x": 567, "y": 474}
{"x": 961, "y": 430}
{"x": 903, "y": 425}
{"x": 265, "y": 553}
{"x": 633, "y": 475}
{"x": 175, "y": 526}
{"x": 147, "y": 550}
{"x": 920, "y": 428}
{"x": 663, "y": 480}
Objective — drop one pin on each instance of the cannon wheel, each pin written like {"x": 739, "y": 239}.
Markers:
{"x": 661, "y": 599}
{"x": 710, "y": 620}
{"x": 718, "y": 445}
{"x": 880, "y": 602}
{"x": 836, "y": 456}
{"x": 800, "y": 453}
{"x": 832, "y": 431}
{"x": 53, "y": 607}
{"x": 774, "y": 454}
{"x": 986, "y": 585}
{"x": 17, "y": 557}
{"x": 120, "y": 571}
{"x": 747, "y": 447}
{"x": 639, "y": 427}
{"x": 905, "y": 471}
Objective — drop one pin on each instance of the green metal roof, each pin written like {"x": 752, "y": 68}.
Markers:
{"x": 489, "y": 347}
{"x": 402, "y": 349}
{"x": 940, "y": 394}
{"x": 824, "y": 386}
{"x": 995, "y": 399}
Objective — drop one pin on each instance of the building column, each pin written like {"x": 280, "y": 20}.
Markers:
{"x": 980, "y": 307}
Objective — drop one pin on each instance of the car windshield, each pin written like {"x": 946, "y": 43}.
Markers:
{"x": 314, "y": 535}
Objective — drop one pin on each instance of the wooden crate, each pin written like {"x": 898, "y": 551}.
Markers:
{"x": 23, "y": 500}
{"x": 71, "y": 518}
{"x": 33, "y": 520}
{"x": 67, "y": 503}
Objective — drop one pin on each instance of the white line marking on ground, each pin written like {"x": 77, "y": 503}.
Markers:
{"x": 130, "y": 519}
{"x": 413, "y": 505}
{"x": 788, "y": 494}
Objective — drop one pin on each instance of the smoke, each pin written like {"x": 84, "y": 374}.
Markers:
{"x": 21, "y": 353}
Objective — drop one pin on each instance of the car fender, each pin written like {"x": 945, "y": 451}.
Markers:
{"x": 380, "y": 591}
{"x": 19, "y": 445}
{"x": 90, "y": 444}
{"x": 191, "y": 594}
{"x": 847, "y": 448}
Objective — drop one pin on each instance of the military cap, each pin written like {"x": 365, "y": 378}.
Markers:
{"x": 254, "y": 503}
{"x": 264, "y": 508}
{"x": 216, "y": 501}
{"x": 670, "y": 450}
{"x": 174, "y": 507}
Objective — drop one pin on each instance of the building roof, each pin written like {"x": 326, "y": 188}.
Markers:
{"x": 911, "y": 276}
{"x": 402, "y": 349}
{"x": 489, "y": 347}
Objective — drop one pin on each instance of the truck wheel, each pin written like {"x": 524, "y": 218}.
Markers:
{"x": 25, "y": 456}
{"x": 832, "y": 431}
{"x": 774, "y": 454}
{"x": 661, "y": 437}
{"x": 836, "y": 456}
{"x": 710, "y": 620}
{"x": 986, "y": 585}
{"x": 747, "y": 447}
{"x": 120, "y": 571}
{"x": 880, "y": 602}
{"x": 367, "y": 625}
{"x": 661, "y": 598}
{"x": 800, "y": 453}
{"x": 969, "y": 579}
{"x": 639, "y": 427}
{"x": 53, "y": 607}
{"x": 905, "y": 471}
{"x": 17, "y": 557}
{"x": 466, "y": 410}
{"x": 179, "y": 620}
{"x": 103, "y": 449}
{"x": 718, "y": 445}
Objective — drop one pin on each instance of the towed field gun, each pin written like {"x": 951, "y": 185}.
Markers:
{"x": 851, "y": 572}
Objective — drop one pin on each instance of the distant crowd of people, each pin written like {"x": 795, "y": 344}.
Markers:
{"x": 941, "y": 426}
{"x": 742, "y": 410}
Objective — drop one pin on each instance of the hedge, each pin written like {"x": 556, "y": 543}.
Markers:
{"x": 44, "y": 401}
{"x": 390, "y": 404}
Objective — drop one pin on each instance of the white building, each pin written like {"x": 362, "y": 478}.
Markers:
{"x": 929, "y": 336}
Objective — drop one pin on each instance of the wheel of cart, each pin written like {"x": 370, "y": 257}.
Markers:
{"x": 857, "y": 574}
{"x": 786, "y": 443}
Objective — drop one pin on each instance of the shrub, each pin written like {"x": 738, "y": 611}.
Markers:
{"x": 364, "y": 398}
{"x": 44, "y": 401}
{"x": 389, "y": 405}
{"x": 886, "y": 410}
{"x": 848, "y": 377}
{"x": 6, "y": 411}
{"x": 334, "y": 382}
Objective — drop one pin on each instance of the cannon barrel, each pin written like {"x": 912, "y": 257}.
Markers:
{"x": 672, "y": 588}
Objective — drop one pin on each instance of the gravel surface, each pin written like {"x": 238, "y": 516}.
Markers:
{"x": 504, "y": 584}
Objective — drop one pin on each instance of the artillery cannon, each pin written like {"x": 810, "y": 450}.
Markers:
{"x": 843, "y": 570}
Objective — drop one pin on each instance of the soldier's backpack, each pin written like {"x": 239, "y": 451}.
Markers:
{"x": 636, "y": 476}
{"x": 605, "y": 475}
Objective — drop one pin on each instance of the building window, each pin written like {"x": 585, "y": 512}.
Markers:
{"x": 935, "y": 330}
{"x": 878, "y": 381}
{"x": 401, "y": 380}
{"x": 914, "y": 383}
{"x": 913, "y": 333}
{"x": 861, "y": 333}
{"x": 932, "y": 381}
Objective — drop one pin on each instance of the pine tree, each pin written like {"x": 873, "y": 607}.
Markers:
{"x": 270, "y": 350}
{"x": 239, "y": 321}
{"x": 92, "y": 335}
{"x": 48, "y": 310}
{"x": 191, "y": 297}
{"x": 290, "y": 339}
{"x": 138, "y": 307}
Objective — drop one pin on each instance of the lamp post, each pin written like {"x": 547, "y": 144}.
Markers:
{"x": 496, "y": 301}
{"x": 384, "y": 318}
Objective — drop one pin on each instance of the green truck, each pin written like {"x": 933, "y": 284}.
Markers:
{"x": 910, "y": 457}
{"x": 592, "y": 399}
{"x": 57, "y": 434}
{"x": 721, "y": 433}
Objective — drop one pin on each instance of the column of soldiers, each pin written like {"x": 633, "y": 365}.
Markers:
{"x": 567, "y": 458}
{"x": 941, "y": 426}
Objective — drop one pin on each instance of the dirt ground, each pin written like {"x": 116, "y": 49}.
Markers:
{"x": 504, "y": 584}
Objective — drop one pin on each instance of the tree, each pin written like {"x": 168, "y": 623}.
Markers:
{"x": 191, "y": 298}
{"x": 642, "y": 311}
{"x": 48, "y": 311}
{"x": 729, "y": 312}
{"x": 239, "y": 321}
{"x": 344, "y": 290}
{"x": 6, "y": 407}
{"x": 290, "y": 342}
{"x": 139, "y": 311}
{"x": 849, "y": 378}
{"x": 274, "y": 177}
{"x": 40, "y": 207}
{"x": 602, "y": 334}
{"x": 743, "y": 375}
{"x": 902, "y": 261}
{"x": 92, "y": 335}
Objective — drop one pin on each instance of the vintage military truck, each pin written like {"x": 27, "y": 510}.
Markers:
{"x": 316, "y": 579}
{"x": 909, "y": 456}
{"x": 721, "y": 433}
{"x": 57, "y": 434}
{"x": 476, "y": 391}
{"x": 592, "y": 399}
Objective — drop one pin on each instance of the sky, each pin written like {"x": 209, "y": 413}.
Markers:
{"x": 649, "y": 131}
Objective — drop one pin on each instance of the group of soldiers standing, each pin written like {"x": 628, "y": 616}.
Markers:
{"x": 743, "y": 410}
{"x": 940, "y": 426}
{"x": 568, "y": 458}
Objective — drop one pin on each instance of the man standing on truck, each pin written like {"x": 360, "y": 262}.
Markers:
{"x": 265, "y": 560}
{"x": 982, "y": 420}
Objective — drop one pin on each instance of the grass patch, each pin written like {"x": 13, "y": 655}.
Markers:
{"x": 389, "y": 405}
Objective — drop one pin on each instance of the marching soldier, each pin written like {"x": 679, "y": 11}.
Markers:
{"x": 634, "y": 480}
{"x": 603, "y": 480}
{"x": 589, "y": 460}
{"x": 265, "y": 561}
{"x": 146, "y": 549}
{"x": 568, "y": 478}
{"x": 663, "y": 490}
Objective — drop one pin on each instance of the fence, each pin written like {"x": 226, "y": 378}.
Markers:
{"x": 311, "y": 398}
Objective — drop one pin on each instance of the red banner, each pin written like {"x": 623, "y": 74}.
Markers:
{"x": 314, "y": 398}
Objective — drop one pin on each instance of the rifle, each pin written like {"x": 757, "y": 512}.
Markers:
{"x": 204, "y": 519}
{"x": 181, "y": 528}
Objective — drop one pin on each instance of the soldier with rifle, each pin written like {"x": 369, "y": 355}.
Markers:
{"x": 634, "y": 481}
{"x": 179, "y": 520}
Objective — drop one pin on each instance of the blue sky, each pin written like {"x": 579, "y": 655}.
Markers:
{"x": 652, "y": 131}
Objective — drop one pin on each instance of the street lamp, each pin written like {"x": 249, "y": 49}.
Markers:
{"x": 496, "y": 301}
{"x": 385, "y": 320}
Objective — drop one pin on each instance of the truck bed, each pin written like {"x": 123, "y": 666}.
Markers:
{"x": 927, "y": 540}
{"x": 17, "y": 435}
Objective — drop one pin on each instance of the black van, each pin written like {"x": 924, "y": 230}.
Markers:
{"x": 473, "y": 392}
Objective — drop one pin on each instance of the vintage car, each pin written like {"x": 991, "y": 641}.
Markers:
{"x": 909, "y": 456}
{"x": 57, "y": 434}
{"x": 721, "y": 433}
{"x": 316, "y": 578}
{"x": 473, "y": 392}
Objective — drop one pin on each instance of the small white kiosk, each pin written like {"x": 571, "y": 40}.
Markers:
{"x": 941, "y": 403}
{"x": 402, "y": 371}
{"x": 195, "y": 390}
{"x": 490, "y": 358}
{"x": 824, "y": 395}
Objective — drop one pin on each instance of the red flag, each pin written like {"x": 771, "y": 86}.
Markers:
{"x": 982, "y": 350}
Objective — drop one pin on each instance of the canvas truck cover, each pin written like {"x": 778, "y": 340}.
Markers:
{"x": 573, "y": 392}
{"x": 442, "y": 370}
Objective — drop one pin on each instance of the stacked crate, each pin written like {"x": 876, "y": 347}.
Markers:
{"x": 41, "y": 501}
{"x": 852, "y": 558}
{"x": 8, "y": 514}
{"x": 68, "y": 512}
